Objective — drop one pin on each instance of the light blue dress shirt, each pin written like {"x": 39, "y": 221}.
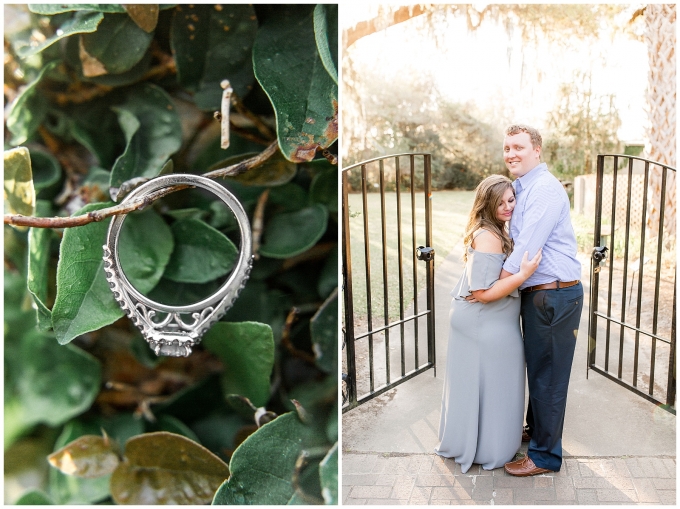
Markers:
{"x": 541, "y": 219}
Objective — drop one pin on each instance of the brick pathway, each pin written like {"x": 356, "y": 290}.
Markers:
{"x": 427, "y": 479}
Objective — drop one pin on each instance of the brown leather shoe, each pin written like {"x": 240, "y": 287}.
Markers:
{"x": 525, "y": 437}
{"x": 524, "y": 467}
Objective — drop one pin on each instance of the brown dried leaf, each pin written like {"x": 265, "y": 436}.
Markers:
{"x": 91, "y": 66}
{"x": 163, "y": 468}
{"x": 88, "y": 456}
{"x": 144, "y": 15}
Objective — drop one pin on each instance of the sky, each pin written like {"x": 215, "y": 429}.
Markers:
{"x": 503, "y": 77}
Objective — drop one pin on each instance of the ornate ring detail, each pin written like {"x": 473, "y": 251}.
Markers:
{"x": 162, "y": 325}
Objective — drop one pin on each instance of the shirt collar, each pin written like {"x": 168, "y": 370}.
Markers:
{"x": 530, "y": 177}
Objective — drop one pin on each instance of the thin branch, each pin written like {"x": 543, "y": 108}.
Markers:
{"x": 258, "y": 222}
{"x": 98, "y": 215}
{"x": 261, "y": 126}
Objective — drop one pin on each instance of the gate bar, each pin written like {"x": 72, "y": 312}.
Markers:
{"x": 624, "y": 324}
{"x": 431, "y": 357}
{"x": 595, "y": 276}
{"x": 641, "y": 266}
{"x": 625, "y": 267}
{"x": 386, "y": 312}
{"x": 413, "y": 254}
{"x": 393, "y": 324}
{"x": 659, "y": 248}
{"x": 615, "y": 178}
{"x": 670, "y": 391}
{"x": 367, "y": 256}
{"x": 349, "y": 305}
{"x": 401, "y": 268}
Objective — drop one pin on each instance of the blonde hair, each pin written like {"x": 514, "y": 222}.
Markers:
{"x": 488, "y": 197}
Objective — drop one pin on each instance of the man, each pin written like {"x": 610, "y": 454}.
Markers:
{"x": 552, "y": 298}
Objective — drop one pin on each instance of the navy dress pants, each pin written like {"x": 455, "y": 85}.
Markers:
{"x": 550, "y": 320}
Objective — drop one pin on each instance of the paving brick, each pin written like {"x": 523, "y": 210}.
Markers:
{"x": 664, "y": 484}
{"x": 444, "y": 466}
{"x": 360, "y": 479}
{"x": 420, "y": 493}
{"x": 401, "y": 491}
{"x": 646, "y": 491}
{"x": 358, "y": 463}
{"x": 586, "y": 469}
{"x": 555, "y": 502}
{"x": 378, "y": 465}
{"x": 619, "y": 483}
{"x": 425, "y": 502}
{"x": 572, "y": 467}
{"x": 382, "y": 501}
{"x": 586, "y": 496}
{"x": 647, "y": 466}
{"x": 666, "y": 496}
{"x": 613, "y": 495}
{"x": 634, "y": 467}
{"x": 384, "y": 479}
{"x": 450, "y": 493}
{"x": 512, "y": 481}
{"x": 396, "y": 465}
{"x": 620, "y": 467}
{"x": 542, "y": 481}
{"x": 502, "y": 496}
{"x": 475, "y": 481}
{"x": 428, "y": 480}
{"x": 483, "y": 495}
{"x": 565, "y": 494}
{"x": 370, "y": 492}
{"x": 660, "y": 467}
{"x": 355, "y": 501}
{"x": 421, "y": 464}
{"x": 534, "y": 494}
{"x": 671, "y": 466}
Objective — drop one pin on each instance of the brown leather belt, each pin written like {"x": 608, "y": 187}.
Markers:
{"x": 550, "y": 286}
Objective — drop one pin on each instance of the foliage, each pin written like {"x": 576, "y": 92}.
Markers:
{"x": 101, "y": 98}
{"x": 582, "y": 125}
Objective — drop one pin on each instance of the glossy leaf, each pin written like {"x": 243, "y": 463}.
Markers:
{"x": 247, "y": 351}
{"x": 162, "y": 468}
{"x": 275, "y": 171}
{"x": 34, "y": 497}
{"x": 324, "y": 325}
{"x": 324, "y": 189}
{"x": 46, "y": 169}
{"x": 328, "y": 278}
{"x": 84, "y": 301}
{"x": 68, "y": 489}
{"x": 50, "y": 395}
{"x": 89, "y": 456}
{"x": 18, "y": 182}
{"x": 201, "y": 253}
{"x": 212, "y": 43}
{"x": 258, "y": 478}
{"x": 292, "y": 233}
{"x": 326, "y": 34}
{"x": 38, "y": 266}
{"x": 116, "y": 46}
{"x": 158, "y": 136}
{"x": 289, "y": 197}
{"x": 328, "y": 473}
{"x": 81, "y": 23}
{"x": 28, "y": 110}
{"x": 49, "y": 9}
{"x": 145, "y": 15}
{"x": 305, "y": 97}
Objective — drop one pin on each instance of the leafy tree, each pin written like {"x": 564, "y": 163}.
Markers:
{"x": 101, "y": 98}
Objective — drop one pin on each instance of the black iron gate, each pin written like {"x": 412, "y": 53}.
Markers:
{"x": 632, "y": 338}
{"x": 362, "y": 366}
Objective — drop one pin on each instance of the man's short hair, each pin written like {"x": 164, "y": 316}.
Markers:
{"x": 536, "y": 140}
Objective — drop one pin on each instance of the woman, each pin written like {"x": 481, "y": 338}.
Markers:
{"x": 483, "y": 400}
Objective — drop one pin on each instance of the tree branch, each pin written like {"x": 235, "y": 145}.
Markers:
{"x": 125, "y": 208}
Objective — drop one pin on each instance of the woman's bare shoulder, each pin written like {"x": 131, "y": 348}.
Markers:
{"x": 486, "y": 241}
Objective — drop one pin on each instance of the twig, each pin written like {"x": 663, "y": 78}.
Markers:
{"x": 250, "y": 136}
{"x": 261, "y": 126}
{"x": 285, "y": 339}
{"x": 258, "y": 222}
{"x": 98, "y": 215}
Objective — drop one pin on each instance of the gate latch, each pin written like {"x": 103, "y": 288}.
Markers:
{"x": 600, "y": 253}
{"x": 425, "y": 253}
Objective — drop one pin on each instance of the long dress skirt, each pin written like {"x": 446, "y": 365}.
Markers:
{"x": 483, "y": 399}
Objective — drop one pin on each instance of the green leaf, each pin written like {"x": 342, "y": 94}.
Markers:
{"x": 29, "y": 110}
{"x": 67, "y": 489}
{"x": 81, "y": 23}
{"x": 328, "y": 278}
{"x": 292, "y": 233}
{"x": 201, "y": 253}
{"x": 89, "y": 456}
{"x": 324, "y": 326}
{"x": 163, "y": 468}
{"x": 324, "y": 189}
{"x": 158, "y": 136}
{"x": 145, "y": 15}
{"x": 247, "y": 351}
{"x": 305, "y": 97}
{"x": 289, "y": 197}
{"x": 328, "y": 473}
{"x": 116, "y": 46}
{"x": 34, "y": 497}
{"x": 267, "y": 478}
{"x": 212, "y": 43}
{"x": 275, "y": 171}
{"x": 84, "y": 301}
{"x": 326, "y": 34}
{"x": 49, "y": 9}
{"x": 38, "y": 266}
{"x": 18, "y": 182}
{"x": 51, "y": 395}
{"x": 46, "y": 169}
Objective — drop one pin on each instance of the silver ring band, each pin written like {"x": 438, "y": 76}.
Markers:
{"x": 171, "y": 335}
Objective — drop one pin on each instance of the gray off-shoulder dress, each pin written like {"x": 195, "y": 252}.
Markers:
{"x": 483, "y": 400}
